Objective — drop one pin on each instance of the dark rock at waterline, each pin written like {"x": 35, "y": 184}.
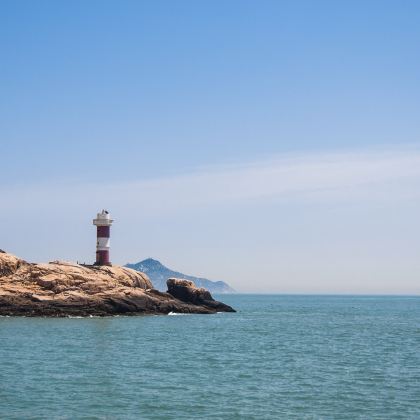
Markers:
{"x": 186, "y": 291}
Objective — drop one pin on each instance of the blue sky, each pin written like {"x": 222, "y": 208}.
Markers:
{"x": 240, "y": 140}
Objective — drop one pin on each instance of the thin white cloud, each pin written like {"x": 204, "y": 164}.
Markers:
{"x": 307, "y": 174}
{"x": 172, "y": 218}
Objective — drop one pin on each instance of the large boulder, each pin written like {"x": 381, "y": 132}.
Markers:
{"x": 9, "y": 263}
{"x": 186, "y": 291}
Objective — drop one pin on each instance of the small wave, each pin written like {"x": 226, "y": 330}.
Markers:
{"x": 175, "y": 314}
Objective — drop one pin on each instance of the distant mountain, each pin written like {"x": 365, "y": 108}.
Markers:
{"x": 158, "y": 274}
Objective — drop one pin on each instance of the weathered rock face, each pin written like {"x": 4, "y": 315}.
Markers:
{"x": 62, "y": 289}
{"x": 9, "y": 263}
{"x": 186, "y": 291}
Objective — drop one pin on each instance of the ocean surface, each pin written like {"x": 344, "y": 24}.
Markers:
{"x": 279, "y": 357}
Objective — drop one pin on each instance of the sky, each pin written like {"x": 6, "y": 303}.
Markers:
{"x": 273, "y": 144}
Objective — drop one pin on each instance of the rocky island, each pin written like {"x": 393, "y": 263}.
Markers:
{"x": 59, "y": 289}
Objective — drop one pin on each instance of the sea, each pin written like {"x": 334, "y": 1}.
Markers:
{"x": 278, "y": 357}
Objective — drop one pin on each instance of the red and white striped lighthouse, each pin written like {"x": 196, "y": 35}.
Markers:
{"x": 103, "y": 224}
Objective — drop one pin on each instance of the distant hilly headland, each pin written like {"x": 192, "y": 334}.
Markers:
{"x": 158, "y": 274}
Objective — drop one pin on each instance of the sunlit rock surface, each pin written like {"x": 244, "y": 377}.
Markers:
{"x": 66, "y": 289}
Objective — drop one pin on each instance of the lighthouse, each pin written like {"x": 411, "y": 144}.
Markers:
{"x": 103, "y": 224}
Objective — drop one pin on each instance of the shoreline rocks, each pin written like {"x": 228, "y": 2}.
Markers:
{"x": 60, "y": 289}
{"x": 186, "y": 291}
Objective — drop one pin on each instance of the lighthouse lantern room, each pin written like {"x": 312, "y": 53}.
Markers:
{"x": 103, "y": 224}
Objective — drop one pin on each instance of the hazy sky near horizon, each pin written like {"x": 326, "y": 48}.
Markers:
{"x": 271, "y": 144}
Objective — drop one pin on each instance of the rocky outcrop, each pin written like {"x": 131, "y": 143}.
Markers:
{"x": 186, "y": 291}
{"x": 66, "y": 289}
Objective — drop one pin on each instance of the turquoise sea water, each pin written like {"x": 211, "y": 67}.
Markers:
{"x": 315, "y": 357}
